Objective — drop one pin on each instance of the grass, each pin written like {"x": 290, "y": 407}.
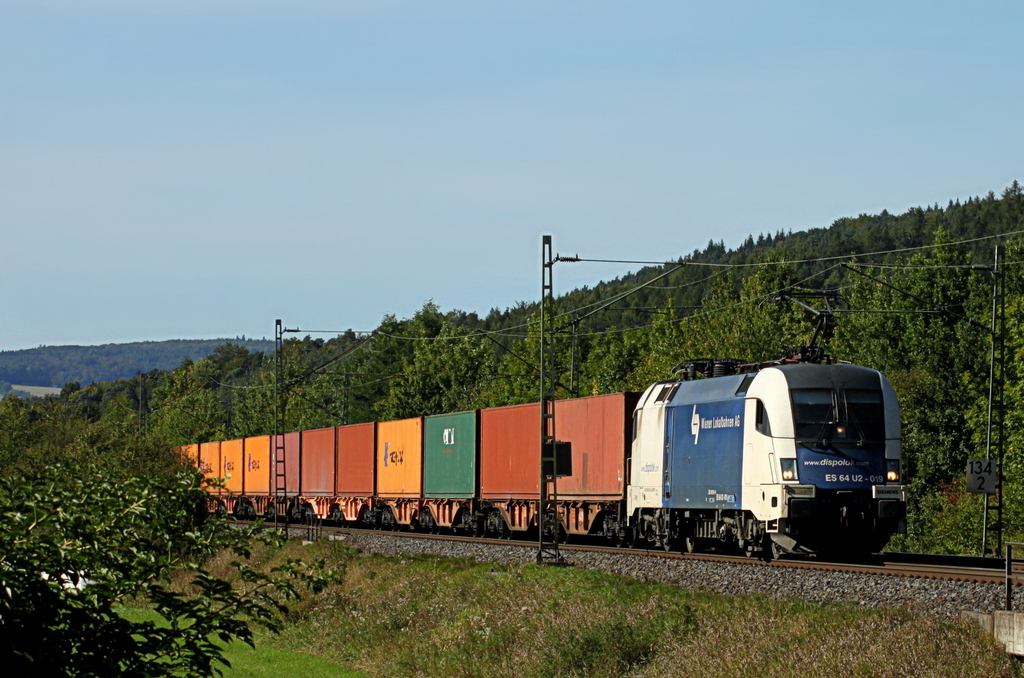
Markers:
{"x": 267, "y": 661}
{"x": 426, "y": 616}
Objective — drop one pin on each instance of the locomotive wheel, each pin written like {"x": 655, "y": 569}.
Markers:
{"x": 689, "y": 543}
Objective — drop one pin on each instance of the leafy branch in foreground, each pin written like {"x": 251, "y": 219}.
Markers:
{"x": 77, "y": 547}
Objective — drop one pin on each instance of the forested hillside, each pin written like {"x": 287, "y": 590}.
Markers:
{"x": 908, "y": 286}
{"x": 816, "y": 249}
{"x": 58, "y": 365}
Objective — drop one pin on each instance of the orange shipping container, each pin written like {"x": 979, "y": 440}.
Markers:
{"x": 231, "y": 465}
{"x": 400, "y": 458}
{"x": 189, "y": 454}
{"x": 257, "y": 466}
{"x": 209, "y": 459}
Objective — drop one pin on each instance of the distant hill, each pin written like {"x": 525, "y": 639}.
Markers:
{"x": 58, "y": 365}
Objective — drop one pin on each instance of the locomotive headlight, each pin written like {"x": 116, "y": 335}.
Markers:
{"x": 788, "y": 469}
{"x": 892, "y": 470}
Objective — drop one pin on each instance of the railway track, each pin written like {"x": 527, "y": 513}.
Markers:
{"x": 907, "y": 565}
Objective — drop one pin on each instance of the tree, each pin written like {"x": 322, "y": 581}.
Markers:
{"x": 444, "y": 375}
{"x": 186, "y": 408}
{"x": 75, "y": 547}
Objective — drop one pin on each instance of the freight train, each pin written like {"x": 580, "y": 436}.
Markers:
{"x": 786, "y": 458}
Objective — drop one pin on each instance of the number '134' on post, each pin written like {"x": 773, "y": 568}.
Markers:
{"x": 981, "y": 476}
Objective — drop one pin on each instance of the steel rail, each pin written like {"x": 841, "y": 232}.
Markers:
{"x": 908, "y": 565}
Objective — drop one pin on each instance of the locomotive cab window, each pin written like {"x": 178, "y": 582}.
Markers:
{"x": 853, "y": 415}
{"x": 745, "y": 384}
{"x": 666, "y": 393}
{"x": 865, "y": 414}
{"x": 761, "y": 420}
{"x": 814, "y": 412}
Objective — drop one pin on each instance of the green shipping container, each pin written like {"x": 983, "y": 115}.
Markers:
{"x": 450, "y": 443}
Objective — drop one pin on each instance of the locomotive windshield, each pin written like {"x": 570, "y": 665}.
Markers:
{"x": 853, "y": 415}
{"x": 865, "y": 415}
{"x": 813, "y": 412}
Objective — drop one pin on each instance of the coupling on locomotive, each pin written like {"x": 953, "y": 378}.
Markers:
{"x": 785, "y": 457}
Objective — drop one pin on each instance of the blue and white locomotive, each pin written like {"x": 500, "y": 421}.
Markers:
{"x": 793, "y": 458}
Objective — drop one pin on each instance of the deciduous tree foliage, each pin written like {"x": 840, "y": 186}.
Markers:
{"x": 76, "y": 548}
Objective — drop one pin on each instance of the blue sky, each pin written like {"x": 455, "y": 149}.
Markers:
{"x": 197, "y": 169}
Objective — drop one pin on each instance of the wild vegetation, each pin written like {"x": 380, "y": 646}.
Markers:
{"x": 427, "y": 616}
{"x": 78, "y": 543}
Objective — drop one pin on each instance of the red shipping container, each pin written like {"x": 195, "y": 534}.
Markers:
{"x": 318, "y": 462}
{"x": 356, "y": 452}
{"x": 598, "y": 428}
{"x": 510, "y": 452}
{"x": 293, "y": 461}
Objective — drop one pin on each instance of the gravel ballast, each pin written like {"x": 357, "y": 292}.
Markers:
{"x": 939, "y": 597}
